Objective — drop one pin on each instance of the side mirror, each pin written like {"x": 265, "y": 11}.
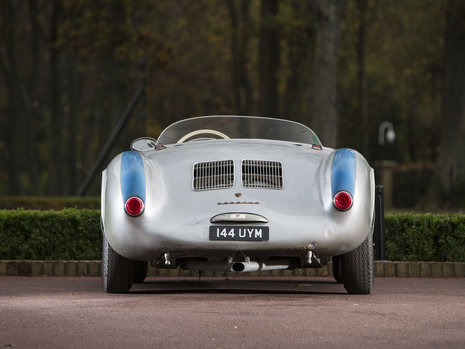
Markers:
{"x": 143, "y": 144}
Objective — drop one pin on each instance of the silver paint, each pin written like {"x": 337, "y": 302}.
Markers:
{"x": 176, "y": 220}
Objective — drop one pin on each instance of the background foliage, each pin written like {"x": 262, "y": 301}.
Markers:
{"x": 50, "y": 235}
{"x": 69, "y": 68}
{"x": 425, "y": 237}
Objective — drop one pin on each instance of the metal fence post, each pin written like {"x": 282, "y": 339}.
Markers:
{"x": 380, "y": 247}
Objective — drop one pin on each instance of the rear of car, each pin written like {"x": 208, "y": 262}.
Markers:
{"x": 242, "y": 204}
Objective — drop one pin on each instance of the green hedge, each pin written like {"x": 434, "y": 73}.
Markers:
{"x": 75, "y": 234}
{"x": 48, "y": 203}
{"x": 425, "y": 237}
{"x": 50, "y": 235}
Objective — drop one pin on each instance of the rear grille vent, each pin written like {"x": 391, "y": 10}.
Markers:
{"x": 262, "y": 174}
{"x": 213, "y": 175}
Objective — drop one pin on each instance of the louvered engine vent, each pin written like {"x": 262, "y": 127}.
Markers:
{"x": 213, "y": 175}
{"x": 262, "y": 174}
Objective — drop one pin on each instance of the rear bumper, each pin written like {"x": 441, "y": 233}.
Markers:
{"x": 143, "y": 238}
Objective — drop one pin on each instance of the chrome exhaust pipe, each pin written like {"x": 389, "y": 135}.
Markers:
{"x": 236, "y": 266}
{"x": 257, "y": 266}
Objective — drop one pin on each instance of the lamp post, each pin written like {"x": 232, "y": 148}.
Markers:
{"x": 385, "y": 168}
{"x": 386, "y": 133}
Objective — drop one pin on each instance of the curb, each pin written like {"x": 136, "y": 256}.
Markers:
{"x": 93, "y": 268}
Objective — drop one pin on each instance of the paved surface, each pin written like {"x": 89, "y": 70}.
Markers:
{"x": 62, "y": 312}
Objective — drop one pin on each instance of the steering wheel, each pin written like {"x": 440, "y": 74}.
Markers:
{"x": 202, "y": 131}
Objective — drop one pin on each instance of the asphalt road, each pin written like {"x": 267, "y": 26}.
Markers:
{"x": 61, "y": 312}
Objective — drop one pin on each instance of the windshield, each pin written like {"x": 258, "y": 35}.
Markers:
{"x": 226, "y": 127}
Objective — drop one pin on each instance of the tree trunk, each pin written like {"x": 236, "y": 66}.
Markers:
{"x": 323, "y": 85}
{"x": 269, "y": 59}
{"x": 448, "y": 187}
{"x": 362, "y": 84}
{"x": 7, "y": 66}
{"x": 32, "y": 116}
{"x": 72, "y": 87}
{"x": 56, "y": 128}
{"x": 239, "y": 42}
{"x": 300, "y": 50}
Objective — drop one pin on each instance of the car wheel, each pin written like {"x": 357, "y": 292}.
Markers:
{"x": 357, "y": 268}
{"x": 337, "y": 269}
{"x": 140, "y": 271}
{"x": 117, "y": 271}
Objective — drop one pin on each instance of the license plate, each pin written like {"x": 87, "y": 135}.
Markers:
{"x": 239, "y": 233}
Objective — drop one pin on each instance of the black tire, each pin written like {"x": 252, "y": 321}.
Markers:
{"x": 357, "y": 268}
{"x": 117, "y": 271}
{"x": 337, "y": 269}
{"x": 140, "y": 271}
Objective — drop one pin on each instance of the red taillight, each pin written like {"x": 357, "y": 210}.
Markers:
{"x": 134, "y": 206}
{"x": 342, "y": 201}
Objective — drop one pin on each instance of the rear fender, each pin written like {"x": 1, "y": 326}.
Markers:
{"x": 343, "y": 171}
{"x": 132, "y": 176}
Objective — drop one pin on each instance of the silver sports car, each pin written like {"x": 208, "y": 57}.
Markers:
{"x": 237, "y": 193}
